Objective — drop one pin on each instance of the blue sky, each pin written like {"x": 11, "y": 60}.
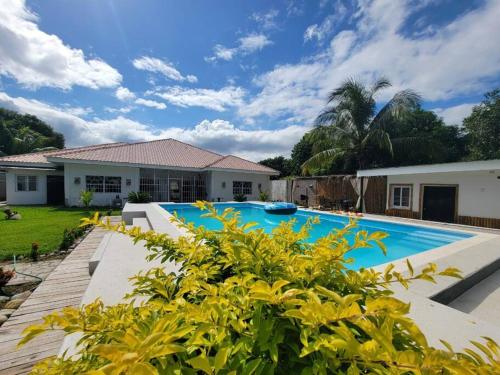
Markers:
{"x": 239, "y": 77}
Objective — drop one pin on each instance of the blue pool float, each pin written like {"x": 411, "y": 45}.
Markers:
{"x": 280, "y": 208}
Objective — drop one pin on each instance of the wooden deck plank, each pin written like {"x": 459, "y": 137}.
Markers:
{"x": 65, "y": 286}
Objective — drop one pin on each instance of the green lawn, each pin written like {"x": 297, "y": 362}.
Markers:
{"x": 41, "y": 224}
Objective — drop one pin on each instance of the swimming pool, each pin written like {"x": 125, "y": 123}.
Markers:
{"x": 404, "y": 240}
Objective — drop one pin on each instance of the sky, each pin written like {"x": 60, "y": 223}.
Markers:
{"x": 236, "y": 77}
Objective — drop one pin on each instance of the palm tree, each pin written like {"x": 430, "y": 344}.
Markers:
{"x": 353, "y": 125}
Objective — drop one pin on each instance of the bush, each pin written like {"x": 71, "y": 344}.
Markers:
{"x": 250, "y": 302}
{"x": 263, "y": 196}
{"x": 139, "y": 197}
{"x": 70, "y": 235}
{"x": 240, "y": 198}
{"x": 86, "y": 197}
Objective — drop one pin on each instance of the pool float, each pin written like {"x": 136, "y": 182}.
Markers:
{"x": 280, "y": 208}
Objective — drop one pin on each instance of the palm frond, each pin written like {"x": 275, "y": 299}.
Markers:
{"x": 349, "y": 89}
{"x": 327, "y": 117}
{"x": 400, "y": 105}
{"x": 379, "y": 137}
{"x": 380, "y": 84}
{"x": 321, "y": 158}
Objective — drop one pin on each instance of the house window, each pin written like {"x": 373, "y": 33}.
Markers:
{"x": 113, "y": 184}
{"x": 242, "y": 187}
{"x": 95, "y": 183}
{"x": 26, "y": 183}
{"x": 104, "y": 184}
{"x": 401, "y": 196}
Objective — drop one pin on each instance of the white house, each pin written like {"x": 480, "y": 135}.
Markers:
{"x": 465, "y": 192}
{"x": 167, "y": 169}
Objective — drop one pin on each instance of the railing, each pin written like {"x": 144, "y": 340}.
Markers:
{"x": 174, "y": 189}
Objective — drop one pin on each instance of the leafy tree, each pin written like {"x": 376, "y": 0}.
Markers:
{"x": 427, "y": 138}
{"x": 483, "y": 127}
{"x": 6, "y": 140}
{"x": 280, "y": 163}
{"x": 250, "y": 302}
{"x": 300, "y": 153}
{"x": 27, "y": 134}
{"x": 354, "y": 126}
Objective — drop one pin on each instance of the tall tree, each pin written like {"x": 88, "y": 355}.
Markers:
{"x": 280, "y": 163}
{"x": 26, "y": 133}
{"x": 483, "y": 127}
{"x": 353, "y": 124}
{"x": 6, "y": 140}
{"x": 431, "y": 140}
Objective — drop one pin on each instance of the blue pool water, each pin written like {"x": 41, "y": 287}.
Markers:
{"x": 403, "y": 241}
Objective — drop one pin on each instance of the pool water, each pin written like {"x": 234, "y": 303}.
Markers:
{"x": 404, "y": 240}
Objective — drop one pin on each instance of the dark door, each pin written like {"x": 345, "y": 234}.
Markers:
{"x": 55, "y": 190}
{"x": 439, "y": 203}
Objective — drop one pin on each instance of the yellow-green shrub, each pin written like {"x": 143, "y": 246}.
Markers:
{"x": 248, "y": 302}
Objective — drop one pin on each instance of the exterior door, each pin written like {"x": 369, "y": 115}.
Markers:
{"x": 3, "y": 187}
{"x": 439, "y": 203}
{"x": 55, "y": 190}
{"x": 174, "y": 190}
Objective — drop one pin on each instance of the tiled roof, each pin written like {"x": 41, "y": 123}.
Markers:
{"x": 165, "y": 153}
{"x": 234, "y": 162}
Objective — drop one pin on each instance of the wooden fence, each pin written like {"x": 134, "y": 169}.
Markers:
{"x": 324, "y": 190}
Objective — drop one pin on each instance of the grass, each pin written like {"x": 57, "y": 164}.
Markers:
{"x": 41, "y": 224}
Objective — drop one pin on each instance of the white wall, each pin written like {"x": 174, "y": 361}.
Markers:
{"x": 72, "y": 190}
{"x": 28, "y": 197}
{"x": 478, "y": 192}
{"x": 216, "y": 178}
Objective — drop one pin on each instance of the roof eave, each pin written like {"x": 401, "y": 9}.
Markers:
{"x": 468, "y": 166}
{"x": 214, "y": 169}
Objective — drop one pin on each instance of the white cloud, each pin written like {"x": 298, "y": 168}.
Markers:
{"x": 322, "y": 30}
{"x": 78, "y": 111}
{"x": 288, "y": 90}
{"x": 456, "y": 114}
{"x": 36, "y": 59}
{"x": 126, "y": 109}
{"x": 248, "y": 44}
{"x": 217, "y": 135}
{"x": 217, "y": 100}
{"x": 459, "y": 58}
{"x": 253, "y": 43}
{"x": 267, "y": 20}
{"x": 222, "y": 53}
{"x": 319, "y": 31}
{"x": 155, "y": 65}
{"x": 150, "y": 103}
{"x": 124, "y": 94}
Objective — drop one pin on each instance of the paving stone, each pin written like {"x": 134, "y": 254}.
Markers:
{"x": 39, "y": 269}
{"x": 13, "y": 304}
{"x": 23, "y": 295}
{"x": 7, "y": 312}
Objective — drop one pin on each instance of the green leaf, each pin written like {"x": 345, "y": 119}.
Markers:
{"x": 201, "y": 363}
{"x": 221, "y": 358}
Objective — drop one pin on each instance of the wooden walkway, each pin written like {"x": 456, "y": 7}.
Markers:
{"x": 65, "y": 286}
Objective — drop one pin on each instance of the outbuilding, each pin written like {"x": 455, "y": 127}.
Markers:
{"x": 465, "y": 192}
